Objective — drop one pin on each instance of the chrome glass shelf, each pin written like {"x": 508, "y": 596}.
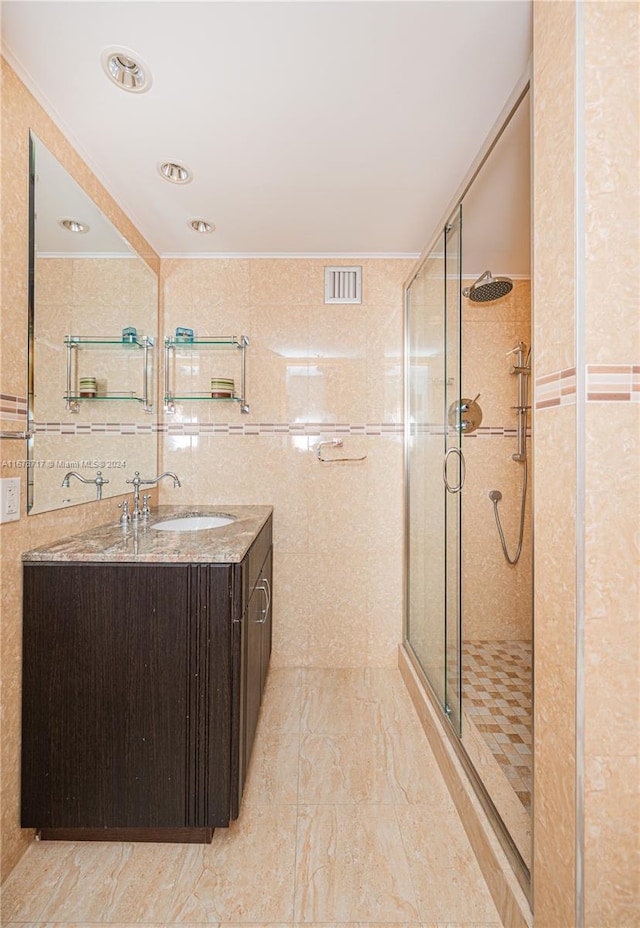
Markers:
{"x": 100, "y": 342}
{"x": 179, "y": 346}
{"x": 116, "y": 395}
{"x": 75, "y": 343}
{"x": 215, "y": 341}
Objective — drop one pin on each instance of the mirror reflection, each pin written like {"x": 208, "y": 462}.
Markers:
{"x": 92, "y": 347}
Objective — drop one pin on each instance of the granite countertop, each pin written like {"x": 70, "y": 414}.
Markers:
{"x": 140, "y": 543}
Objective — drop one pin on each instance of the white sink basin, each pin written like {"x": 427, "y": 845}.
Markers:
{"x": 193, "y": 523}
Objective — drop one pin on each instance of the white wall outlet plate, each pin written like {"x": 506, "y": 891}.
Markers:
{"x": 9, "y": 499}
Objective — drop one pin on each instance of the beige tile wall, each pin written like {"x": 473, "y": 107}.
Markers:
{"x": 602, "y": 813}
{"x": 612, "y": 460}
{"x": 554, "y": 469}
{"x": 496, "y": 597}
{"x": 337, "y": 527}
{"x": 20, "y": 112}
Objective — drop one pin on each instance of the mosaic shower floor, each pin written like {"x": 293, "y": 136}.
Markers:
{"x": 497, "y": 698}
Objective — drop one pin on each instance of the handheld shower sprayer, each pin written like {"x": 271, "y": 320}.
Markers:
{"x": 522, "y": 370}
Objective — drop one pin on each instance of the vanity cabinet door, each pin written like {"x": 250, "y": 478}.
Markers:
{"x": 257, "y": 652}
{"x": 266, "y": 580}
{"x": 212, "y": 694}
{"x": 253, "y": 656}
{"x": 108, "y": 694}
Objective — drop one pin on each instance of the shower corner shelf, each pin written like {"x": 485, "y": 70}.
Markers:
{"x": 183, "y": 345}
{"x": 75, "y": 343}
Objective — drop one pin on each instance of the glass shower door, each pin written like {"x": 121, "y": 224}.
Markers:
{"x": 453, "y": 472}
{"x": 434, "y": 461}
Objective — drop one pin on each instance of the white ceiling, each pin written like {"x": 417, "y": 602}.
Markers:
{"x": 311, "y": 127}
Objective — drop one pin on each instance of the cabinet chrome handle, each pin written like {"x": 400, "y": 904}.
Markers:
{"x": 460, "y": 485}
{"x": 267, "y": 592}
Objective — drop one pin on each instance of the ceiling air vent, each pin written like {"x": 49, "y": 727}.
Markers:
{"x": 343, "y": 285}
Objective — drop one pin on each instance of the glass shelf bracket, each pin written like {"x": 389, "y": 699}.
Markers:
{"x": 174, "y": 345}
{"x": 75, "y": 343}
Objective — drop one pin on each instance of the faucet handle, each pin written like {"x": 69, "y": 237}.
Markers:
{"x": 145, "y": 504}
{"x": 126, "y": 516}
{"x": 466, "y": 404}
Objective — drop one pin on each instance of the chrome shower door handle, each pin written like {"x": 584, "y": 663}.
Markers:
{"x": 459, "y": 486}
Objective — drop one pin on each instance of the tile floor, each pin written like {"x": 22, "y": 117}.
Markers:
{"x": 345, "y": 820}
{"x": 497, "y": 696}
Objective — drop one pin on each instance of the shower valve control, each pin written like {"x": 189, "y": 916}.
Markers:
{"x": 465, "y": 414}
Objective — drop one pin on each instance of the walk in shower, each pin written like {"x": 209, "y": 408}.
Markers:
{"x": 468, "y": 467}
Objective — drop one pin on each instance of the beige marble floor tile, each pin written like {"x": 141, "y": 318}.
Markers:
{"x": 273, "y": 769}
{"x": 253, "y": 925}
{"x": 338, "y": 700}
{"x": 281, "y": 701}
{"x": 30, "y": 885}
{"x": 338, "y": 768}
{"x": 361, "y": 925}
{"x": 105, "y": 882}
{"x": 392, "y": 696}
{"x": 411, "y": 769}
{"x": 446, "y": 876}
{"x": 245, "y": 875}
{"x": 351, "y": 866}
{"x": 87, "y": 882}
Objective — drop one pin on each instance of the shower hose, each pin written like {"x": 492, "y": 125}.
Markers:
{"x": 495, "y": 498}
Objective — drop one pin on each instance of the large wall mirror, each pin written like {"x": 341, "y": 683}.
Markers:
{"x": 93, "y": 320}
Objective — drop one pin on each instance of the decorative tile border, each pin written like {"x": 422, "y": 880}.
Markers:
{"x": 219, "y": 428}
{"x": 604, "y": 383}
{"x": 556, "y": 389}
{"x": 258, "y": 428}
{"x": 94, "y": 428}
{"x": 483, "y": 431}
{"x": 613, "y": 383}
{"x": 12, "y": 407}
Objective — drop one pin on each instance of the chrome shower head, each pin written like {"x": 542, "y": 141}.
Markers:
{"x": 487, "y": 288}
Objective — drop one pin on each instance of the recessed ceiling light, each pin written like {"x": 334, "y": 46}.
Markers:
{"x": 201, "y": 225}
{"x": 73, "y": 225}
{"x": 126, "y": 69}
{"x": 174, "y": 172}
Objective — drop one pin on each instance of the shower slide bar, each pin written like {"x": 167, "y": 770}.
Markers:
{"x": 522, "y": 370}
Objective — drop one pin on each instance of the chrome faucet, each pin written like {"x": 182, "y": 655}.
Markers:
{"x": 99, "y": 481}
{"x": 139, "y": 481}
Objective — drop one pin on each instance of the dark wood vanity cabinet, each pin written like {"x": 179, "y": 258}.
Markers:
{"x": 142, "y": 685}
{"x": 258, "y": 650}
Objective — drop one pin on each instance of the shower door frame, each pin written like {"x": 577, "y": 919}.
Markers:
{"x": 441, "y": 440}
{"x": 520, "y": 869}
